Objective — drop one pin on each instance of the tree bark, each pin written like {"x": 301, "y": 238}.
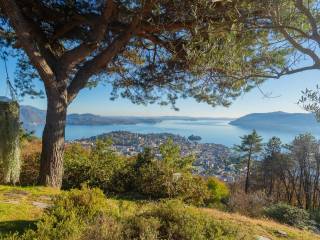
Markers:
{"x": 51, "y": 164}
{"x": 247, "y": 184}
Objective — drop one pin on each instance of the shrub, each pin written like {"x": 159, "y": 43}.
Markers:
{"x": 76, "y": 166}
{"x": 96, "y": 167}
{"x": 143, "y": 177}
{"x": 75, "y": 215}
{"x": 86, "y": 214}
{"x": 315, "y": 216}
{"x": 142, "y": 227}
{"x": 192, "y": 190}
{"x": 218, "y": 190}
{"x": 30, "y": 158}
{"x": 178, "y": 221}
{"x": 251, "y": 204}
{"x": 288, "y": 214}
{"x": 157, "y": 180}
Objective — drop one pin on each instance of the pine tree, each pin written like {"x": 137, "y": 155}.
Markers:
{"x": 250, "y": 145}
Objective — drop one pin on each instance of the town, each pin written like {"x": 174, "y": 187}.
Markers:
{"x": 211, "y": 159}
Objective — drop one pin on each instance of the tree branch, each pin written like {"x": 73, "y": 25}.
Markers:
{"x": 276, "y": 17}
{"x": 299, "y": 47}
{"x": 78, "y": 54}
{"x": 313, "y": 23}
{"x": 98, "y": 63}
{"x": 25, "y": 35}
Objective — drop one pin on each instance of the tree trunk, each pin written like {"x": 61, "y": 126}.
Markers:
{"x": 51, "y": 165}
{"x": 247, "y": 184}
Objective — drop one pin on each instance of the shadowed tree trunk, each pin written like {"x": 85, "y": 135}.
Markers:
{"x": 51, "y": 165}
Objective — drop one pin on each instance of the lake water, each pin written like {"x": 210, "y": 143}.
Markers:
{"x": 211, "y": 131}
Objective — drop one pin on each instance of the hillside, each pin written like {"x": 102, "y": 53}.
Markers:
{"x": 21, "y": 207}
{"x": 277, "y": 120}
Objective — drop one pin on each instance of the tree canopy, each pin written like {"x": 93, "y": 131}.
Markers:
{"x": 149, "y": 51}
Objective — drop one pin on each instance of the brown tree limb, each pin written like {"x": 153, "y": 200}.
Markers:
{"x": 313, "y": 23}
{"x": 26, "y": 38}
{"x": 78, "y": 54}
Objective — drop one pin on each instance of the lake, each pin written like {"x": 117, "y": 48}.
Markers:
{"x": 211, "y": 131}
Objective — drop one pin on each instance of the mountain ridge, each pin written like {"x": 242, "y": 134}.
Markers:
{"x": 32, "y": 116}
{"x": 277, "y": 119}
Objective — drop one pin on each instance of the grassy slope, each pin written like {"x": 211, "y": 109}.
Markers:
{"x": 18, "y": 210}
{"x": 21, "y": 206}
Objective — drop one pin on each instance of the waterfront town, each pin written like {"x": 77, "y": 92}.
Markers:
{"x": 211, "y": 159}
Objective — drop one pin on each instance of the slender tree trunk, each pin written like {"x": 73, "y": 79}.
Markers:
{"x": 51, "y": 165}
{"x": 247, "y": 184}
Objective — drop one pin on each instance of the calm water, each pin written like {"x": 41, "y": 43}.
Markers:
{"x": 211, "y": 131}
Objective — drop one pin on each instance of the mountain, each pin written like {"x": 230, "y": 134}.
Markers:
{"x": 31, "y": 116}
{"x": 91, "y": 119}
{"x": 277, "y": 120}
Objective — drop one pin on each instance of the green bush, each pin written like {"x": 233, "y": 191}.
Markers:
{"x": 78, "y": 214}
{"x": 288, "y": 214}
{"x": 174, "y": 220}
{"x": 86, "y": 214}
{"x": 96, "y": 167}
{"x": 143, "y": 177}
{"x": 315, "y": 216}
{"x": 76, "y": 166}
{"x": 218, "y": 190}
{"x": 156, "y": 179}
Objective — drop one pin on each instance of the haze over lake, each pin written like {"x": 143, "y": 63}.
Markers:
{"x": 211, "y": 131}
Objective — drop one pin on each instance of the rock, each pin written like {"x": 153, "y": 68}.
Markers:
{"x": 262, "y": 238}
{"x": 45, "y": 198}
{"x": 41, "y": 205}
{"x": 281, "y": 233}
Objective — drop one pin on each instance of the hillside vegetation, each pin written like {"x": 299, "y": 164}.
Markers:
{"x": 21, "y": 207}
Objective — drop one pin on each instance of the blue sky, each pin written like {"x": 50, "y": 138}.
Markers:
{"x": 285, "y": 93}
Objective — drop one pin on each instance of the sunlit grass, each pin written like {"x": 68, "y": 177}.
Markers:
{"x": 18, "y": 212}
{"x": 17, "y": 206}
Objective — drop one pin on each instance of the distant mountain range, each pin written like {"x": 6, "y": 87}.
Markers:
{"x": 277, "y": 120}
{"x": 31, "y": 116}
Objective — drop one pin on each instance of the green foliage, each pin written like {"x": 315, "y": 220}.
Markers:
{"x": 96, "y": 167}
{"x": 209, "y": 52}
{"x": 168, "y": 177}
{"x": 310, "y": 101}
{"x": 287, "y": 214}
{"x": 218, "y": 190}
{"x": 87, "y": 214}
{"x": 73, "y": 215}
{"x": 76, "y": 166}
{"x": 171, "y": 156}
{"x": 173, "y": 220}
{"x": 143, "y": 177}
{"x": 250, "y": 144}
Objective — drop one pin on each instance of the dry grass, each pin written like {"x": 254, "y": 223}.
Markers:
{"x": 260, "y": 227}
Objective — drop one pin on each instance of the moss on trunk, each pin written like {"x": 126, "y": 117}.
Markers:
{"x": 10, "y": 163}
